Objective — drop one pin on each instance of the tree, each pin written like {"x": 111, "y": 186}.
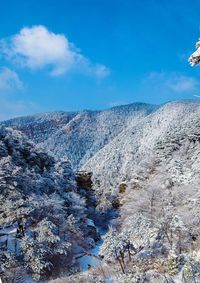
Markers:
{"x": 194, "y": 59}
{"x": 39, "y": 252}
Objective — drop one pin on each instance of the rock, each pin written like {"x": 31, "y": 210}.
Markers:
{"x": 84, "y": 180}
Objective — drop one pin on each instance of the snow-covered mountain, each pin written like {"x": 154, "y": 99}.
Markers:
{"x": 167, "y": 133}
{"x": 144, "y": 162}
{"x": 79, "y": 135}
{"x": 115, "y": 143}
{"x": 112, "y": 143}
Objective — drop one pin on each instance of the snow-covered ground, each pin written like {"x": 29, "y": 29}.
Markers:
{"x": 92, "y": 259}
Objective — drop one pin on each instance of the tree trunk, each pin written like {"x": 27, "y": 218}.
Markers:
{"x": 120, "y": 262}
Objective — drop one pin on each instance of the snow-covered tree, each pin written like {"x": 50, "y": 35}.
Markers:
{"x": 194, "y": 59}
{"x": 39, "y": 252}
{"x": 41, "y": 204}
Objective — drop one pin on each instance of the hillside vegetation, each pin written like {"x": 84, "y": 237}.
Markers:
{"x": 143, "y": 162}
{"x": 44, "y": 214}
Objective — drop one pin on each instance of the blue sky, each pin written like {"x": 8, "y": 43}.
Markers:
{"x": 93, "y": 54}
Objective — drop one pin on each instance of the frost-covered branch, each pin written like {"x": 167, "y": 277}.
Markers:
{"x": 194, "y": 59}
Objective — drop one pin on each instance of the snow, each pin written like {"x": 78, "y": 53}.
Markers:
{"x": 88, "y": 261}
{"x": 6, "y": 231}
{"x": 126, "y": 153}
{"x": 79, "y": 135}
{"x": 92, "y": 259}
{"x": 35, "y": 188}
{"x": 142, "y": 145}
{"x": 194, "y": 59}
{"x": 90, "y": 222}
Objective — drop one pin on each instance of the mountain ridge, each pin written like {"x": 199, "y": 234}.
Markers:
{"x": 109, "y": 142}
{"x": 93, "y": 129}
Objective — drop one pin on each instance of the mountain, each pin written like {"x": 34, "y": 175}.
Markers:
{"x": 143, "y": 163}
{"x": 111, "y": 143}
{"x": 79, "y": 135}
{"x": 166, "y": 133}
{"x": 153, "y": 170}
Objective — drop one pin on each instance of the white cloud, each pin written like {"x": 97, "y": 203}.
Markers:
{"x": 37, "y": 47}
{"x": 183, "y": 83}
{"x": 101, "y": 71}
{"x": 118, "y": 103}
{"x": 174, "y": 82}
{"x": 9, "y": 80}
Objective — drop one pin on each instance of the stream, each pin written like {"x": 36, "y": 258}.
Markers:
{"x": 92, "y": 259}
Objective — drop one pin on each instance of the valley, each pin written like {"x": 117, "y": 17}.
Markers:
{"x": 103, "y": 196}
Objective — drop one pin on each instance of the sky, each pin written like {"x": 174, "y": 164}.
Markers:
{"x": 93, "y": 54}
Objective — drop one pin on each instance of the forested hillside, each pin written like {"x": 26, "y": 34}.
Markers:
{"x": 46, "y": 218}
{"x": 134, "y": 186}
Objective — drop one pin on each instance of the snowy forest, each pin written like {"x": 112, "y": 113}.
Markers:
{"x": 127, "y": 210}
